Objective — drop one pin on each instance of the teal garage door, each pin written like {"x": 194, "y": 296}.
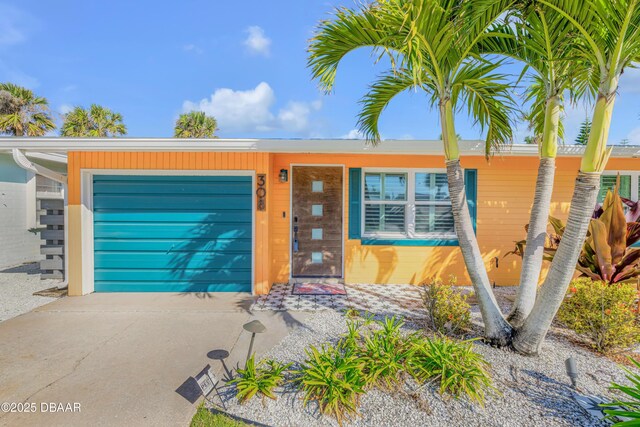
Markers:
{"x": 172, "y": 233}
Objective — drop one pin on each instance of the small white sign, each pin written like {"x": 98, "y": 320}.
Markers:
{"x": 206, "y": 381}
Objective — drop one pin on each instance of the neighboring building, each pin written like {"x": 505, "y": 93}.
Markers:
{"x": 239, "y": 215}
{"x": 20, "y": 241}
{"x": 24, "y": 197}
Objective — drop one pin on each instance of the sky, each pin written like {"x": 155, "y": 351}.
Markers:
{"x": 243, "y": 62}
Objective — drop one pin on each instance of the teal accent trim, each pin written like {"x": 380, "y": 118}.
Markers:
{"x": 355, "y": 202}
{"x": 409, "y": 242}
{"x": 636, "y": 245}
{"x": 471, "y": 185}
{"x": 172, "y": 233}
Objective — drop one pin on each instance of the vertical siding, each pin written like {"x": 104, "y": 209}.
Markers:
{"x": 505, "y": 194}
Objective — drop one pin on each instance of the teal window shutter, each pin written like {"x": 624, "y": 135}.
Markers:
{"x": 607, "y": 182}
{"x": 355, "y": 202}
{"x": 471, "y": 185}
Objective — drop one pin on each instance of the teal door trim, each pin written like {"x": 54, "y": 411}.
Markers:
{"x": 246, "y": 245}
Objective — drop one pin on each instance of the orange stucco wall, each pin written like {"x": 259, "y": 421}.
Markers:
{"x": 505, "y": 192}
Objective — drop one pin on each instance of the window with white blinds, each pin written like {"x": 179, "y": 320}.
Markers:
{"x": 406, "y": 204}
{"x": 629, "y": 185}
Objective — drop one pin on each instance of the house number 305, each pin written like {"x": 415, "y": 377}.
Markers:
{"x": 261, "y": 192}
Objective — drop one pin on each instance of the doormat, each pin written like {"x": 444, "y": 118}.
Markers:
{"x": 319, "y": 289}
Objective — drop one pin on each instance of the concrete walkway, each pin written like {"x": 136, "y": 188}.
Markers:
{"x": 123, "y": 357}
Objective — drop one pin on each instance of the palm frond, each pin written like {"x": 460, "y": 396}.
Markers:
{"x": 380, "y": 93}
{"x": 487, "y": 96}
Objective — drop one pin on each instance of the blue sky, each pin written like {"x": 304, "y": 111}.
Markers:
{"x": 244, "y": 62}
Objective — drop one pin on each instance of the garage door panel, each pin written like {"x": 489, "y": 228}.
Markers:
{"x": 154, "y": 179}
{"x": 170, "y": 286}
{"x": 173, "y": 233}
{"x": 170, "y": 231}
{"x": 174, "y": 245}
{"x": 171, "y": 261}
{"x": 185, "y": 216}
{"x": 168, "y": 201}
{"x": 169, "y": 187}
{"x": 212, "y": 276}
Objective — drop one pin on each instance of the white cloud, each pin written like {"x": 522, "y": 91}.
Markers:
{"x": 238, "y": 110}
{"x": 65, "y": 108}
{"x": 251, "y": 111}
{"x": 192, "y": 48}
{"x": 12, "y": 25}
{"x": 295, "y": 117}
{"x": 256, "y": 41}
{"x": 353, "y": 134}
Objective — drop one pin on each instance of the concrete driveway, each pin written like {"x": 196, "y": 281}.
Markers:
{"x": 123, "y": 357}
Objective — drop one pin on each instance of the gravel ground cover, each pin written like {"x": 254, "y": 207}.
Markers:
{"x": 530, "y": 390}
{"x": 17, "y": 285}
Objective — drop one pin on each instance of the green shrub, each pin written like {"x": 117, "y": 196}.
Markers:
{"x": 384, "y": 353}
{"x": 627, "y": 412}
{"x": 448, "y": 311}
{"x": 333, "y": 377}
{"x": 377, "y": 354}
{"x": 454, "y": 365}
{"x": 604, "y": 313}
{"x": 259, "y": 379}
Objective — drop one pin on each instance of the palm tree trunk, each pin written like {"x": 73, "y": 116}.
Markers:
{"x": 534, "y": 250}
{"x": 497, "y": 331}
{"x": 528, "y": 339}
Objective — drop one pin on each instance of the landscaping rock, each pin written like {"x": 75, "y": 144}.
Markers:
{"x": 529, "y": 390}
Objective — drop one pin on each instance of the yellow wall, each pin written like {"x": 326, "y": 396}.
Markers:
{"x": 505, "y": 192}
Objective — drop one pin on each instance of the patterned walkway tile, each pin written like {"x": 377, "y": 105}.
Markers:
{"x": 401, "y": 300}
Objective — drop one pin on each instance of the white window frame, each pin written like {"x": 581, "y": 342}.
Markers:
{"x": 410, "y": 206}
{"x": 635, "y": 177}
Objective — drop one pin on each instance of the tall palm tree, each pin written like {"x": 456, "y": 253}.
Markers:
{"x": 195, "y": 124}
{"x": 428, "y": 53}
{"x": 97, "y": 122}
{"x": 24, "y": 113}
{"x": 607, "y": 37}
{"x": 541, "y": 39}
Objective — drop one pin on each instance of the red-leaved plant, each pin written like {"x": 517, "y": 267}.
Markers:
{"x": 607, "y": 254}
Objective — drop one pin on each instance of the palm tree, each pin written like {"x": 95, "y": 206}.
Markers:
{"x": 541, "y": 39}
{"x": 195, "y": 124}
{"x": 428, "y": 53}
{"x": 24, "y": 114}
{"x": 97, "y": 122}
{"x": 606, "y": 37}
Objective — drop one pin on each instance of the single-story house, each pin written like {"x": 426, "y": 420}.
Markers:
{"x": 180, "y": 215}
{"x": 24, "y": 196}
